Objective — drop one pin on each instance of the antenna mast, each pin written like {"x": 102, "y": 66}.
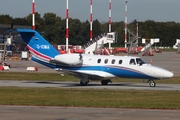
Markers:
{"x": 33, "y": 15}
{"x": 110, "y": 19}
{"x": 126, "y": 13}
{"x": 90, "y": 19}
{"x": 67, "y": 31}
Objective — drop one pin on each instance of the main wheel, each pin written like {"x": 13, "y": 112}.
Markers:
{"x": 105, "y": 82}
{"x": 83, "y": 84}
{"x": 152, "y": 83}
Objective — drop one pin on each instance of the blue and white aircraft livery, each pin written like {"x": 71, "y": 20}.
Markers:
{"x": 91, "y": 67}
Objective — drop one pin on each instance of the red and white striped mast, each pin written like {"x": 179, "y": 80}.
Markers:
{"x": 110, "y": 18}
{"x": 33, "y": 15}
{"x": 67, "y": 31}
{"x": 90, "y": 20}
{"x": 126, "y": 24}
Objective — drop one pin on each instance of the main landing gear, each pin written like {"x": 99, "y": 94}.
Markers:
{"x": 152, "y": 83}
{"x": 105, "y": 82}
{"x": 84, "y": 81}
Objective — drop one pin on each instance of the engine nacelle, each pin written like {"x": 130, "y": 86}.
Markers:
{"x": 71, "y": 59}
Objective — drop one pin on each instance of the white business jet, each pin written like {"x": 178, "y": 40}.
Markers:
{"x": 91, "y": 67}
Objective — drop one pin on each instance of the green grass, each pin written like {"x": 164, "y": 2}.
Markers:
{"x": 85, "y": 97}
{"x": 36, "y": 76}
{"x": 90, "y": 98}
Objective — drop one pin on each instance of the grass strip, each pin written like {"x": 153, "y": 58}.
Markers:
{"x": 36, "y": 76}
{"x": 90, "y": 98}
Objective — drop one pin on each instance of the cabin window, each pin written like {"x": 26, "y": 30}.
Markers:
{"x": 120, "y": 61}
{"x": 113, "y": 61}
{"x": 106, "y": 61}
{"x": 99, "y": 60}
{"x": 132, "y": 62}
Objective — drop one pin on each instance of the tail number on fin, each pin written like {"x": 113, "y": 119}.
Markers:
{"x": 43, "y": 47}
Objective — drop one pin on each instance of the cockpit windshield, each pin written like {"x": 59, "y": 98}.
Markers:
{"x": 140, "y": 61}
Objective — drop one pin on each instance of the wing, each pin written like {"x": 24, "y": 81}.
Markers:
{"x": 82, "y": 74}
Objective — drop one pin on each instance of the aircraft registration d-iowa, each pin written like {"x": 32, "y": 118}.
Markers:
{"x": 91, "y": 67}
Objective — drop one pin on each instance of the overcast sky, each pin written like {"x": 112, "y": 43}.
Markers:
{"x": 157, "y": 10}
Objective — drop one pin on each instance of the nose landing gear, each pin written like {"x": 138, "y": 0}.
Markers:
{"x": 152, "y": 83}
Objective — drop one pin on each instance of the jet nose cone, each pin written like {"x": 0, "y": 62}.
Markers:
{"x": 162, "y": 73}
{"x": 168, "y": 74}
{"x": 171, "y": 74}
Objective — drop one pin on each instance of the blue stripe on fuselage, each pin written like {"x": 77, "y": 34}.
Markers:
{"x": 114, "y": 70}
{"x": 44, "y": 63}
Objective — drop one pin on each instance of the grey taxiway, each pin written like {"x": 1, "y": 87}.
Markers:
{"x": 168, "y": 60}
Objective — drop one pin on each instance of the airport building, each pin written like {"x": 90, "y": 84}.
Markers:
{"x": 11, "y": 43}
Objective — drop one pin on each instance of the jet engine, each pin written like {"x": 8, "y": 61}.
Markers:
{"x": 69, "y": 59}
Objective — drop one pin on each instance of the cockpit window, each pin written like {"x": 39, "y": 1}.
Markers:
{"x": 140, "y": 61}
{"x": 132, "y": 62}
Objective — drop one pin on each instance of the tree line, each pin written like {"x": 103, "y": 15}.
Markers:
{"x": 53, "y": 28}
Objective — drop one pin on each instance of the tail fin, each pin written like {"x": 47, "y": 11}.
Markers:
{"x": 37, "y": 45}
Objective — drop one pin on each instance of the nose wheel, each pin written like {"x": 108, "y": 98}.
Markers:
{"x": 152, "y": 83}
